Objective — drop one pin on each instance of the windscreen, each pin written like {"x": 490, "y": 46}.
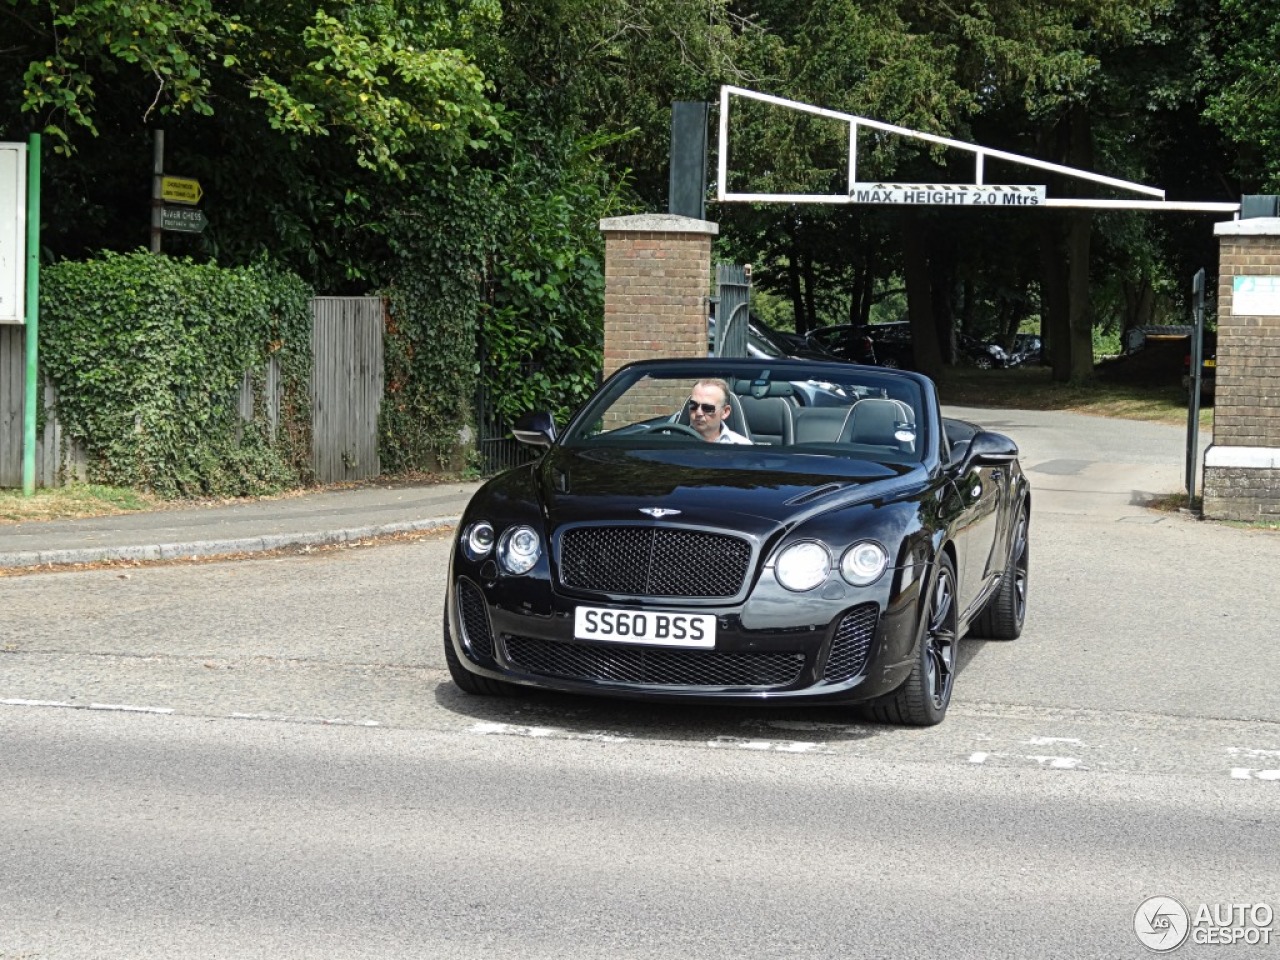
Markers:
{"x": 858, "y": 413}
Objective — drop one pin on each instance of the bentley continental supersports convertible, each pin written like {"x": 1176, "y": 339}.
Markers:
{"x": 740, "y": 530}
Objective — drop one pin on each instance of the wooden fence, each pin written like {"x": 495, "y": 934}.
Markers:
{"x": 346, "y": 386}
{"x": 346, "y": 396}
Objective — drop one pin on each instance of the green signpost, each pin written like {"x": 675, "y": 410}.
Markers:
{"x": 33, "y": 318}
{"x": 182, "y": 219}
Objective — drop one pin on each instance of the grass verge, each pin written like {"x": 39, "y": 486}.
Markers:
{"x": 1032, "y": 388}
{"x": 78, "y": 500}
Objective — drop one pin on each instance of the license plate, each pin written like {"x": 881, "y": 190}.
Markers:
{"x": 657, "y": 627}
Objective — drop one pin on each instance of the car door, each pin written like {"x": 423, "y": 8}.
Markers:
{"x": 979, "y": 490}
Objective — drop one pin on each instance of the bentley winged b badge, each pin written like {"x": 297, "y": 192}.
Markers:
{"x": 658, "y": 512}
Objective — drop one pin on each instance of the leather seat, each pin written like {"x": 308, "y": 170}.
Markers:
{"x": 770, "y": 419}
{"x": 876, "y": 421}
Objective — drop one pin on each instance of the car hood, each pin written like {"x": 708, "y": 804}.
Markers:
{"x": 748, "y": 488}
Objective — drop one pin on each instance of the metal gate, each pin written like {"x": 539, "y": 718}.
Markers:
{"x": 732, "y": 304}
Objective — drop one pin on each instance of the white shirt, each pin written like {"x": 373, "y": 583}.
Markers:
{"x": 728, "y": 436}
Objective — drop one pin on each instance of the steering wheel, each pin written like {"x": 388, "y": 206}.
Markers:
{"x": 671, "y": 427}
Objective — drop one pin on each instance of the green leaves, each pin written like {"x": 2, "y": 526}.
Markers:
{"x": 148, "y": 354}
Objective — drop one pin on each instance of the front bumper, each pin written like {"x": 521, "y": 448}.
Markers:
{"x": 849, "y": 645}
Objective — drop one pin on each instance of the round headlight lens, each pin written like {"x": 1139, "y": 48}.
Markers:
{"x": 478, "y": 539}
{"x": 803, "y": 566}
{"x": 863, "y": 563}
{"x": 520, "y": 549}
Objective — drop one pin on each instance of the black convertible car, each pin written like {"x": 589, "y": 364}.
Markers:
{"x": 837, "y": 557}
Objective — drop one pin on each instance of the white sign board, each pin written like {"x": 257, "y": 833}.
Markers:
{"x": 1255, "y": 296}
{"x": 948, "y": 194}
{"x": 13, "y": 231}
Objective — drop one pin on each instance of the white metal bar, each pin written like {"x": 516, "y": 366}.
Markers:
{"x": 722, "y": 160}
{"x": 977, "y": 168}
{"x": 853, "y": 154}
{"x": 942, "y": 141}
{"x": 1188, "y": 206}
{"x": 839, "y": 198}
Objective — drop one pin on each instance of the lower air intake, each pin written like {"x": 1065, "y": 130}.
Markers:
{"x": 651, "y": 666}
{"x": 476, "y": 635}
{"x": 852, "y": 643}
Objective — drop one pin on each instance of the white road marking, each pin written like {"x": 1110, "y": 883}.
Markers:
{"x": 1051, "y": 762}
{"x": 13, "y": 702}
{"x": 128, "y": 708}
{"x": 1045, "y": 741}
{"x": 1248, "y": 752}
{"x": 777, "y": 746}
{"x": 520, "y": 730}
{"x": 1245, "y": 773}
{"x": 320, "y": 721}
{"x": 117, "y": 707}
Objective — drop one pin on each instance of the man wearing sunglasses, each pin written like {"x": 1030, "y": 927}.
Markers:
{"x": 708, "y": 409}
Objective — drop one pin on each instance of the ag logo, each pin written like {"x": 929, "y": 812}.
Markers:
{"x": 1161, "y": 923}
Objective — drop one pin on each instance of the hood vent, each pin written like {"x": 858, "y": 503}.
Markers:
{"x": 817, "y": 493}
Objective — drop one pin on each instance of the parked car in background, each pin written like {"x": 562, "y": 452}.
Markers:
{"x": 1026, "y": 350}
{"x": 838, "y": 557}
{"x": 858, "y": 344}
{"x": 892, "y": 345}
{"x": 764, "y": 342}
{"x": 793, "y": 344}
{"x": 1208, "y": 365}
{"x": 983, "y": 354}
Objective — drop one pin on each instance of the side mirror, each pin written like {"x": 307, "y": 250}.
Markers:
{"x": 991, "y": 448}
{"x": 535, "y": 429}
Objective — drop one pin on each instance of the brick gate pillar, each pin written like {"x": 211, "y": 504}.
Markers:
{"x": 657, "y": 277}
{"x": 1242, "y": 466}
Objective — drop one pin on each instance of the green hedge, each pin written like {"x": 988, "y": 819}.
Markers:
{"x": 148, "y": 352}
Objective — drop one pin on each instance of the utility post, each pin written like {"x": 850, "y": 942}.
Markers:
{"x": 157, "y": 185}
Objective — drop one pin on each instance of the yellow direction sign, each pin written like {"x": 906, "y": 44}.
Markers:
{"x": 180, "y": 190}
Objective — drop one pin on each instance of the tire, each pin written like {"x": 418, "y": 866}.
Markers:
{"x": 464, "y": 679}
{"x": 1007, "y": 610}
{"x": 983, "y": 362}
{"x": 923, "y": 700}
{"x": 891, "y": 363}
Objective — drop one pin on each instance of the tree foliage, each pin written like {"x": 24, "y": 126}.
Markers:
{"x": 458, "y": 154}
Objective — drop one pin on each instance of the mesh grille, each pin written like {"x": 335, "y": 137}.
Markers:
{"x": 852, "y": 642}
{"x": 654, "y": 561}
{"x": 647, "y": 665}
{"x": 476, "y": 635}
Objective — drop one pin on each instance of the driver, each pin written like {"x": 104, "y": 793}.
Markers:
{"x": 708, "y": 409}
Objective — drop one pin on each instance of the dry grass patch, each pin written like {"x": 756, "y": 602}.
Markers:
{"x": 67, "y": 503}
{"x": 1033, "y": 388}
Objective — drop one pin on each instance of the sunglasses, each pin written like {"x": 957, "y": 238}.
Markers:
{"x": 707, "y": 408}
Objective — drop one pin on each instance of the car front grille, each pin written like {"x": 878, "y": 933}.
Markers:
{"x": 653, "y": 666}
{"x": 654, "y": 561}
{"x": 852, "y": 642}
{"x": 477, "y": 636}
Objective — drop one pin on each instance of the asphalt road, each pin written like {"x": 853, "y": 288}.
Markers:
{"x": 265, "y": 759}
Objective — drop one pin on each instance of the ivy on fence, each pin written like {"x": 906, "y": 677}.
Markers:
{"x": 148, "y": 353}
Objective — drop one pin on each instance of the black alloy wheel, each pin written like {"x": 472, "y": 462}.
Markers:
{"x": 923, "y": 700}
{"x": 1007, "y": 611}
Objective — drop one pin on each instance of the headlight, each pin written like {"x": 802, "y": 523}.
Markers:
{"x": 477, "y": 539}
{"x": 863, "y": 563}
{"x": 519, "y": 550}
{"x": 803, "y": 566}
